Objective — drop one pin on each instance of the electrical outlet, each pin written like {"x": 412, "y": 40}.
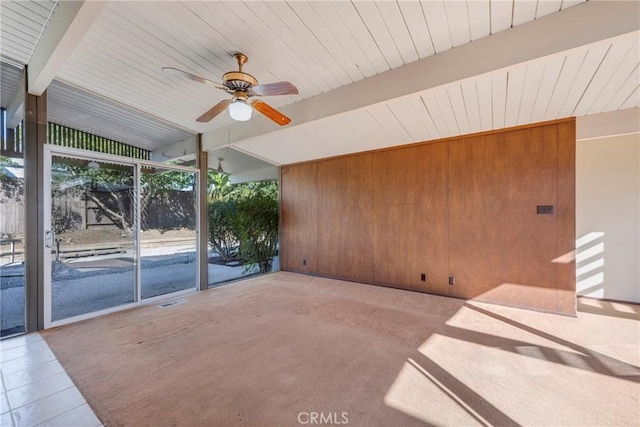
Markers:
{"x": 452, "y": 280}
{"x": 423, "y": 277}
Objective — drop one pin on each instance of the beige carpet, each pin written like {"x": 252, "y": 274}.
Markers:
{"x": 272, "y": 351}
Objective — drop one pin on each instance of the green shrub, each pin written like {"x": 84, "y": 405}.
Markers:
{"x": 244, "y": 218}
{"x": 224, "y": 237}
{"x": 257, "y": 221}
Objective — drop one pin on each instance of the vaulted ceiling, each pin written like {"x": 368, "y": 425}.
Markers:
{"x": 370, "y": 74}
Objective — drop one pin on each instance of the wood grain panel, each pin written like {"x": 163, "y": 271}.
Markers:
{"x": 501, "y": 250}
{"x": 566, "y": 217}
{"x": 411, "y": 218}
{"x": 345, "y": 218}
{"x": 461, "y": 206}
{"x": 299, "y": 218}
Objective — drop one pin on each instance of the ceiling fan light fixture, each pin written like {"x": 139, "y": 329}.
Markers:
{"x": 240, "y": 111}
{"x": 93, "y": 165}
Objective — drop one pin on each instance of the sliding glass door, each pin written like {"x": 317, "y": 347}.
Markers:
{"x": 91, "y": 240}
{"x": 168, "y": 236}
{"x": 118, "y": 231}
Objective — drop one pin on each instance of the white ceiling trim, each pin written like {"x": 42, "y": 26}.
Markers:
{"x": 271, "y": 173}
{"x": 556, "y": 34}
{"x": 67, "y": 26}
{"x": 181, "y": 150}
{"x": 15, "y": 108}
{"x": 613, "y": 123}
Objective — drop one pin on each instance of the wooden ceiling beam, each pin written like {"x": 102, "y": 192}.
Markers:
{"x": 15, "y": 108}
{"x": 69, "y": 23}
{"x": 573, "y": 28}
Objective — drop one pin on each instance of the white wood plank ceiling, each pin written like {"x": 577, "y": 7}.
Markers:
{"x": 10, "y": 76}
{"x": 234, "y": 162}
{"x": 318, "y": 45}
{"x": 323, "y": 46}
{"x": 602, "y": 78}
{"x": 22, "y": 24}
{"x": 78, "y": 109}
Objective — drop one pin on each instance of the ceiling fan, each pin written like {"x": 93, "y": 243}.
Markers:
{"x": 242, "y": 86}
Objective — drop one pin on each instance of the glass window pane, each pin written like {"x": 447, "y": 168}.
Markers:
{"x": 168, "y": 231}
{"x": 92, "y": 236}
{"x": 12, "y": 227}
{"x": 243, "y": 229}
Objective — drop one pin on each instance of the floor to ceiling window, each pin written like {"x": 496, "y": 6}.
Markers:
{"x": 122, "y": 229}
{"x": 243, "y": 229}
{"x": 12, "y": 227}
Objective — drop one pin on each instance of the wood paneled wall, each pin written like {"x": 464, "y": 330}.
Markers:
{"x": 299, "y": 199}
{"x": 345, "y": 217}
{"x": 410, "y": 218}
{"x": 463, "y": 207}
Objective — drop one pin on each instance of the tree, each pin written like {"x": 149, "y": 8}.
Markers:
{"x": 63, "y": 218}
{"x": 11, "y": 187}
{"x": 111, "y": 188}
{"x": 220, "y": 187}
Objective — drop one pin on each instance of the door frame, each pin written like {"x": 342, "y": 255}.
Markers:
{"x": 137, "y": 164}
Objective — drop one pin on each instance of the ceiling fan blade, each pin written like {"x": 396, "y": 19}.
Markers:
{"x": 270, "y": 112}
{"x": 214, "y": 111}
{"x": 279, "y": 88}
{"x": 194, "y": 77}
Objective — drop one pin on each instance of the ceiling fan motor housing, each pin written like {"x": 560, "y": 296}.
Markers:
{"x": 237, "y": 80}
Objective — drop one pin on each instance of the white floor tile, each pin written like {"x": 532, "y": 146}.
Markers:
{"x": 4, "y": 404}
{"x": 26, "y": 394}
{"x": 10, "y": 354}
{"x": 35, "y": 388}
{"x": 33, "y": 374}
{"x": 29, "y": 361}
{"x": 47, "y": 408}
{"x": 18, "y": 341}
{"x": 5, "y": 420}
{"x": 82, "y": 416}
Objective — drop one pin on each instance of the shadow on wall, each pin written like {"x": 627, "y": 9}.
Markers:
{"x": 590, "y": 265}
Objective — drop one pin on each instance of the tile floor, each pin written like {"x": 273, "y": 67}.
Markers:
{"x": 36, "y": 390}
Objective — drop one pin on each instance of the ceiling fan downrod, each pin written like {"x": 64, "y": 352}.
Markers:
{"x": 241, "y": 59}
